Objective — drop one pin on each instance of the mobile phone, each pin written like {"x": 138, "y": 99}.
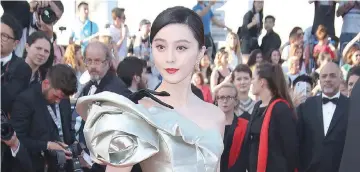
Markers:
{"x": 300, "y": 88}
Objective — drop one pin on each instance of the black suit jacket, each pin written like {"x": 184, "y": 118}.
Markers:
{"x": 34, "y": 125}
{"x": 320, "y": 153}
{"x": 282, "y": 145}
{"x": 15, "y": 79}
{"x": 110, "y": 82}
{"x": 20, "y": 163}
{"x": 351, "y": 154}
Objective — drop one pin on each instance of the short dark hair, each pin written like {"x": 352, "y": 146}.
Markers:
{"x": 353, "y": 71}
{"x": 241, "y": 68}
{"x": 303, "y": 78}
{"x": 13, "y": 23}
{"x": 270, "y": 17}
{"x": 62, "y": 77}
{"x": 82, "y": 3}
{"x": 128, "y": 68}
{"x": 117, "y": 12}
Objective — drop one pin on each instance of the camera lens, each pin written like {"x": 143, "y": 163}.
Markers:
{"x": 48, "y": 16}
{"x": 6, "y": 131}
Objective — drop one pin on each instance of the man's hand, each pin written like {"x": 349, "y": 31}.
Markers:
{"x": 83, "y": 163}
{"x": 298, "y": 98}
{"x": 13, "y": 143}
{"x": 60, "y": 147}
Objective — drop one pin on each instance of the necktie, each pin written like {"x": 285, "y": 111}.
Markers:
{"x": 327, "y": 100}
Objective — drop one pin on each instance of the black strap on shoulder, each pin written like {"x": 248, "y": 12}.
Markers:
{"x": 135, "y": 97}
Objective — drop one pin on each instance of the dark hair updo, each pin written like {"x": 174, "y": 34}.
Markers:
{"x": 179, "y": 15}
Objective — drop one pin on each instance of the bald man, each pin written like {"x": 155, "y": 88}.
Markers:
{"x": 322, "y": 124}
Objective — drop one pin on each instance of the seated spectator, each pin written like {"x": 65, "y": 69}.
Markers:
{"x": 351, "y": 58}
{"x": 198, "y": 81}
{"x": 323, "y": 44}
{"x": 255, "y": 58}
{"x": 294, "y": 68}
{"x": 271, "y": 40}
{"x": 233, "y": 48}
{"x": 275, "y": 57}
{"x": 298, "y": 52}
{"x": 132, "y": 71}
{"x": 141, "y": 45}
{"x": 344, "y": 88}
{"x": 323, "y": 59}
{"x": 296, "y": 38}
{"x": 221, "y": 70}
{"x": 352, "y": 77}
{"x": 205, "y": 68}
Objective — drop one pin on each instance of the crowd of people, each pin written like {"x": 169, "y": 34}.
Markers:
{"x": 274, "y": 106}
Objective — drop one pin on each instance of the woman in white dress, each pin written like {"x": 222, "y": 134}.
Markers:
{"x": 185, "y": 138}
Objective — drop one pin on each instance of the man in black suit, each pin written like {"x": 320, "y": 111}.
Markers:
{"x": 15, "y": 73}
{"x": 322, "y": 124}
{"x": 351, "y": 154}
{"x": 98, "y": 61}
{"x": 41, "y": 117}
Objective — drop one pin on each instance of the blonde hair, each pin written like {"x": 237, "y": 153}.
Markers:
{"x": 220, "y": 54}
{"x": 237, "y": 49}
{"x": 228, "y": 85}
{"x": 70, "y": 57}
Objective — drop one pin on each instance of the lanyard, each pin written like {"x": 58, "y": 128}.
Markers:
{"x": 56, "y": 118}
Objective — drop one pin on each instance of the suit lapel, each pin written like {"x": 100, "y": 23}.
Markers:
{"x": 337, "y": 114}
{"x": 104, "y": 81}
{"x": 319, "y": 114}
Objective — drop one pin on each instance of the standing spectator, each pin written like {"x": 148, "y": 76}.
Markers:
{"x": 83, "y": 29}
{"x": 352, "y": 77}
{"x": 322, "y": 124}
{"x": 102, "y": 78}
{"x": 198, "y": 81}
{"x": 142, "y": 47}
{"x": 251, "y": 28}
{"x": 37, "y": 54}
{"x": 15, "y": 73}
{"x": 203, "y": 9}
{"x": 132, "y": 71}
{"x": 74, "y": 59}
{"x": 119, "y": 32}
{"x": 221, "y": 72}
{"x": 324, "y": 15}
{"x": 350, "y": 12}
{"x": 271, "y": 40}
{"x": 233, "y": 48}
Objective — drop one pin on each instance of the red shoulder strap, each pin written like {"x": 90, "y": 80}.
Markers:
{"x": 264, "y": 137}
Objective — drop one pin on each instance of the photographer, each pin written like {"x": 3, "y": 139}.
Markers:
{"x": 36, "y": 16}
{"x": 41, "y": 117}
{"x": 14, "y": 156}
{"x": 15, "y": 73}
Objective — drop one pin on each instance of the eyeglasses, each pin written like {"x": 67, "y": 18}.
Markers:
{"x": 227, "y": 98}
{"x": 94, "y": 62}
{"x": 5, "y": 37}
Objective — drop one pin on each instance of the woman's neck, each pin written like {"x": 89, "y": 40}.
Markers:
{"x": 243, "y": 96}
{"x": 180, "y": 93}
{"x": 265, "y": 97}
{"x": 33, "y": 67}
{"x": 229, "y": 117}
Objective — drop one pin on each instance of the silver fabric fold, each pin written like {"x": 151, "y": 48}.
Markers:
{"x": 121, "y": 133}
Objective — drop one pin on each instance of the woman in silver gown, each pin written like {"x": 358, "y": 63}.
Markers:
{"x": 186, "y": 138}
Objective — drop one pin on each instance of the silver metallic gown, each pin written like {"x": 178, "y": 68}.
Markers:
{"x": 121, "y": 133}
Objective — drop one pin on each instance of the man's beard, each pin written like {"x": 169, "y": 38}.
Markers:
{"x": 95, "y": 78}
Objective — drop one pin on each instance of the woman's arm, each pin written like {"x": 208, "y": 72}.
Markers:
{"x": 213, "y": 79}
{"x": 285, "y": 127}
{"x": 110, "y": 168}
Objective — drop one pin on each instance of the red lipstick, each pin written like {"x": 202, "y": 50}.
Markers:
{"x": 171, "y": 70}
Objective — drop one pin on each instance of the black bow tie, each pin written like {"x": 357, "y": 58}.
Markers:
{"x": 327, "y": 100}
{"x": 95, "y": 83}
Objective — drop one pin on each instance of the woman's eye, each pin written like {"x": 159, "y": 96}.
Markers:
{"x": 181, "y": 48}
{"x": 160, "y": 47}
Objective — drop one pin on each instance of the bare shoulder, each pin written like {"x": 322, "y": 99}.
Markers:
{"x": 214, "y": 113}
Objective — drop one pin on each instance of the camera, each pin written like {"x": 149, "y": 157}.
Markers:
{"x": 7, "y": 131}
{"x": 60, "y": 159}
{"x": 48, "y": 16}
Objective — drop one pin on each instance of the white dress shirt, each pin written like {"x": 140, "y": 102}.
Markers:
{"x": 6, "y": 59}
{"x": 328, "y": 110}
